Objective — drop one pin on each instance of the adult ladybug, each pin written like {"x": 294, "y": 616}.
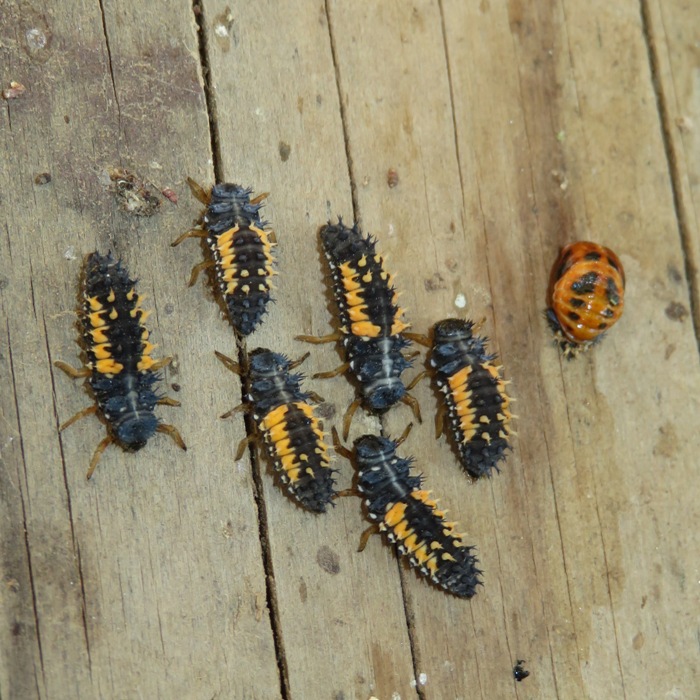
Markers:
{"x": 586, "y": 295}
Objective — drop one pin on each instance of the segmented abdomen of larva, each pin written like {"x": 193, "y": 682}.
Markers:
{"x": 296, "y": 445}
{"x": 477, "y": 404}
{"x": 479, "y": 417}
{"x": 291, "y": 430}
{"x": 244, "y": 270}
{"x": 118, "y": 350}
{"x": 363, "y": 289}
{"x": 411, "y": 519}
{"x": 242, "y": 253}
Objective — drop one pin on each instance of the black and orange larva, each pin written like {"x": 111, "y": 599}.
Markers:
{"x": 371, "y": 322}
{"x": 120, "y": 370}
{"x": 476, "y": 402}
{"x": 241, "y": 252}
{"x": 410, "y": 517}
{"x": 285, "y": 419}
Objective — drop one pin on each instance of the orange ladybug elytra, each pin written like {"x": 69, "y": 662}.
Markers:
{"x": 586, "y": 295}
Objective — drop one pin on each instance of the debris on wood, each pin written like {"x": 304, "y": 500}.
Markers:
{"x": 169, "y": 194}
{"x": 134, "y": 196}
{"x": 14, "y": 91}
{"x": 392, "y": 177}
{"x": 42, "y": 179}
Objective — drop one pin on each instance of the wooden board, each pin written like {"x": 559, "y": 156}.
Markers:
{"x": 510, "y": 129}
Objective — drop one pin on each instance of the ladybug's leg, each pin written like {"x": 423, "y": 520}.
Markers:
{"x": 174, "y": 433}
{"x": 418, "y": 338}
{"x": 317, "y": 340}
{"x": 338, "y": 446}
{"x": 333, "y": 373}
{"x": 80, "y": 414}
{"x": 347, "y": 418}
{"x": 241, "y": 407}
{"x": 199, "y": 192}
{"x": 250, "y": 439}
{"x": 417, "y": 378}
{"x": 192, "y": 233}
{"x": 371, "y": 530}
{"x": 197, "y": 269}
{"x": 260, "y": 197}
{"x": 229, "y": 363}
{"x": 160, "y": 364}
{"x": 296, "y": 363}
{"x": 415, "y": 406}
{"x": 98, "y": 453}
{"x": 439, "y": 421}
{"x": 315, "y": 397}
{"x": 72, "y": 371}
{"x": 405, "y": 434}
{"x": 167, "y": 401}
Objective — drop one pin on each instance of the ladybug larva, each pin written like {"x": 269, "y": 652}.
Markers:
{"x": 476, "y": 402}
{"x": 291, "y": 432}
{"x": 120, "y": 370}
{"x": 409, "y": 516}
{"x": 241, "y": 251}
{"x": 586, "y": 295}
{"x": 371, "y": 325}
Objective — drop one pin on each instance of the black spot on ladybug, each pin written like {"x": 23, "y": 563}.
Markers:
{"x": 592, "y": 256}
{"x": 573, "y": 316}
{"x": 576, "y": 302}
{"x": 585, "y": 284}
{"x": 612, "y": 292}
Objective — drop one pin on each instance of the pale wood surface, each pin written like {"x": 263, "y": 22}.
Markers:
{"x": 514, "y": 128}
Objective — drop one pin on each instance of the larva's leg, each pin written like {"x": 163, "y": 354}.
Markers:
{"x": 174, "y": 433}
{"x": 98, "y": 453}
{"x": 89, "y": 411}
{"x": 72, "y": 371}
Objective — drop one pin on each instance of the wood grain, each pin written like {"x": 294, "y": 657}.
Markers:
{"x": 474, "y": 140}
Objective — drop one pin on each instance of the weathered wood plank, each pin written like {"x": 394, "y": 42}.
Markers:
{"x": 341, "y": 616}
{"x": 583, "y": 148}
{"x": 147, "y": 581}
{"x": 673, "y": 28}
{"x": 548, "y": 136}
